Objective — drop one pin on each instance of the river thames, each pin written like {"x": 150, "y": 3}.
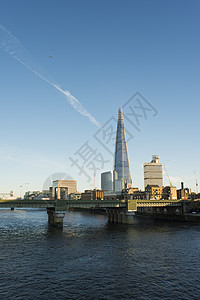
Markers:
{"x": 92, "y": 259}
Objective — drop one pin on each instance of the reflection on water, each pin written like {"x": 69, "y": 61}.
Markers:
{"x": 92, "y": 259}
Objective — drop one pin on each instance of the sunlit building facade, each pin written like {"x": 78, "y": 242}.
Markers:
{"x": 153, "y": 175}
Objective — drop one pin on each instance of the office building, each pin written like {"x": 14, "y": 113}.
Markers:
{"x": 107, "y": 181}
{"x": 121, "y": 163}
{"x": 153, "y": 173}
{"x": 62, "y": 188}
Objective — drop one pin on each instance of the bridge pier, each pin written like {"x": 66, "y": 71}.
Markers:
{"x": 110, "y": 216}
{"x": 120, "y": 216}
{"x": 55, "y": 218}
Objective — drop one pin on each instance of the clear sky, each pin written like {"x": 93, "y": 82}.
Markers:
{"x": 102, "y": 52}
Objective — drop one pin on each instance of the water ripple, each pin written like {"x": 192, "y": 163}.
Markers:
{"x": 91, "y": 259}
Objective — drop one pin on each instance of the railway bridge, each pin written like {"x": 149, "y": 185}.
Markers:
{"x": 119, "y": 211}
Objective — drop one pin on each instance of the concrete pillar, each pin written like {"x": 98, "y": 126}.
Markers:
{"x": 120, "y": 220}
{"x": 115, "y": 217}
{"x": 55, "y": 218}
{"x": 127, "y": 218}
{"x": 123, "y": 218}
{"x": 120, "y": 217}
{"x": 111, "y": 217}
{"x": 183, "y": 208}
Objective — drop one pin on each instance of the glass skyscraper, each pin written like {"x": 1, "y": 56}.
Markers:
{"x": 107, "y": 181}
{"x": 121, "y": 164}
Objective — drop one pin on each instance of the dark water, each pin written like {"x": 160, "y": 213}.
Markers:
{"x": 91, "y": 259}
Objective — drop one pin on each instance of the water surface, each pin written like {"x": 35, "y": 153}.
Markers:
{"x": 92, "y": 259}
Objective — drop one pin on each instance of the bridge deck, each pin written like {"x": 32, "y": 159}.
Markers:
{"x": 85, "y": 204}
{"x": 27, "y": 203}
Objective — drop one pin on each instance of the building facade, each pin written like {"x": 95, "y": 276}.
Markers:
{"x": 107, "y": 181}
{"x": 121, "y": 163}
{"x": 74, "y": 196}
{"x": 62, "y": 188}
{"x": 153, "y": 175}
{"x": 183, "y": 193}
{"x": 154, "y": 192}
{"x": 169, "y": 193}
{"x": 92, "y": 195}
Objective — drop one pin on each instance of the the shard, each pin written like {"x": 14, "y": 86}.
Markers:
{"x": 121, "y": 164}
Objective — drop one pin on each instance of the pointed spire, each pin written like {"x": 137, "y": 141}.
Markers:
{"x": 120, "y": 111}
{"x": 121, "y": 164}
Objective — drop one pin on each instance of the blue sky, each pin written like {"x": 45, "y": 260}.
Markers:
{"x": 103, "y": 53}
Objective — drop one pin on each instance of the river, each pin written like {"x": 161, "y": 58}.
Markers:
{"x": 92, "y": 259}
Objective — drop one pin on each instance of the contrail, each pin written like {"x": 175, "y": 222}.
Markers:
{"x": 11, "y": 45}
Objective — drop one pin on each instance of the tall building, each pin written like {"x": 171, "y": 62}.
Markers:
{"x": 121, "y": 164}
{"x": 107, "y": 181}
{"x": 153, "y": 172}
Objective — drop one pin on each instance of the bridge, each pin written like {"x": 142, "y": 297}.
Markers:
{"x": 119, "y": 211}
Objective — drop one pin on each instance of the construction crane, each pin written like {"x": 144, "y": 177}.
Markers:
{"x": 167, "y": 176}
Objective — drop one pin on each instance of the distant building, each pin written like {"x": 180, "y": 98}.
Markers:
{"x": 107, "y": 181}
{"x": 129, "y": 191}
{"x": 62, "y": 188}
{"x": 47, "y": 193}
{"x": 183, "y": 193}
{"x": 139, "y": 195}
{"x": 121, "y": 163}
{"x": 114, "y": 181}
{"x": 154, "y": 192}
{"x": 32, "y": 195}
{"x": 153, "y": 172}
{"x": 194, "y": 196}
{"x": 92, "y": 195}
{"x": 7, "y": 195}
{"x": 169, "y": 193}
{"x": 118, "y": 185}
{"x": 113, "y": 195}
{"x": 74, "y": 196}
